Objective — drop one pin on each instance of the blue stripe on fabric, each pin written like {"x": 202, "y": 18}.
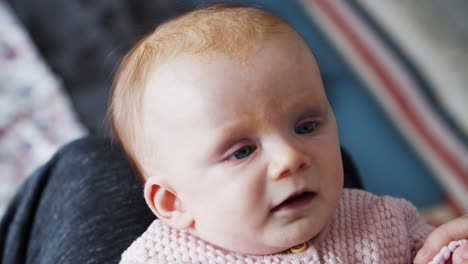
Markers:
{"x": 426, "y": 88}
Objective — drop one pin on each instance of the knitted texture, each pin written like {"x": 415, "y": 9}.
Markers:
{"x": 365, "y": 229}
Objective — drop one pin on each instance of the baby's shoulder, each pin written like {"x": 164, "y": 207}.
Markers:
{"x": 365, "y": 204}
{"x": 379, "y": 215}
{"x": 376, "y": 227}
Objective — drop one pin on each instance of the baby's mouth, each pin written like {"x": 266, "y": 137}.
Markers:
{"x": 294, "y": 201}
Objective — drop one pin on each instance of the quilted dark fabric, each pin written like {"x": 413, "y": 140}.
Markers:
{"x": 91, "y": 220}
{"x": 84, "y": 40}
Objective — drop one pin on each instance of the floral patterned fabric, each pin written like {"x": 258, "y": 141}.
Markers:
{"x": 36, "y": 117}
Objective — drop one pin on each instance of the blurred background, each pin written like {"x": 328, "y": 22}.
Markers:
{"x": 395, "y": 73}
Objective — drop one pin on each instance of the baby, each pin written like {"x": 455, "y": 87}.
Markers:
{"x": 223, "y": 113}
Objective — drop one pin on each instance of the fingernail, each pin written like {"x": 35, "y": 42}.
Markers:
{"x": 461, "y": 254}
{"x": 464, "y": 251}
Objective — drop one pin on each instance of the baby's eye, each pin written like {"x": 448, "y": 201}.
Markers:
{"x": 306, "y": 127}
{"x": 242, "y": 153}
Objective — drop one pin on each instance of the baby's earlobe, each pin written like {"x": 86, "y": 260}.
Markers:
{"x": 183, "y": 221}
{"x": 166, "y": 205}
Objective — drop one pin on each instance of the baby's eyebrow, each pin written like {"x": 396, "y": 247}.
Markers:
{"x": 306, "y": 107}
{"x": 236, "y": 128}
{"x": 315, "y": 100}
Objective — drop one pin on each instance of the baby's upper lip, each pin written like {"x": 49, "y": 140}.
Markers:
{"x": 294, "y": 194}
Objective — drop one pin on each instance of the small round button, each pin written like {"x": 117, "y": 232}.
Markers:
{"x": 298, "y": 248}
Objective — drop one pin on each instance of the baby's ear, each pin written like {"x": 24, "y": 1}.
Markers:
{"x": 166, "y": 205}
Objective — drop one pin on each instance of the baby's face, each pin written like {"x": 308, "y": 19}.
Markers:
{"x": 249, "y": 149}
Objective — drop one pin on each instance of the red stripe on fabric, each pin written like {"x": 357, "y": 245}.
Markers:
{"x": 392, "y": 87}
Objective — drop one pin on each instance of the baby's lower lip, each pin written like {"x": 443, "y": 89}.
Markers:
{"x": 295, "y": 203}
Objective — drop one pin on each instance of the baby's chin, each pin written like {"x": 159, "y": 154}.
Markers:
{"x": 247, "y": 247}
{"x": 272, "y": 240}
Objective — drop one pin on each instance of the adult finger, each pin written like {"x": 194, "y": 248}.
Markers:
{"x": 453, "y": 230}
{"x": 460, "y": 255}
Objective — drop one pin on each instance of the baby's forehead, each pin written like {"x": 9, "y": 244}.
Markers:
{"x": 219, "y": 79}
{"x": 276, "y": 54}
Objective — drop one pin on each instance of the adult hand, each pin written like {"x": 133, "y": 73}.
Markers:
{"x": 456, "y": 229}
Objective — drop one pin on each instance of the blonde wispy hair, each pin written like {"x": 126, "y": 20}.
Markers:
{"x": 226, "y": 29}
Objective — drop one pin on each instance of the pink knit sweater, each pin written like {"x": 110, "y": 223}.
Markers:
{"x": 365, "y": 229}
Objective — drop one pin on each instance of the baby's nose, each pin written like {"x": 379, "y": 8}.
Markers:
{"x": 287, "y": 160}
